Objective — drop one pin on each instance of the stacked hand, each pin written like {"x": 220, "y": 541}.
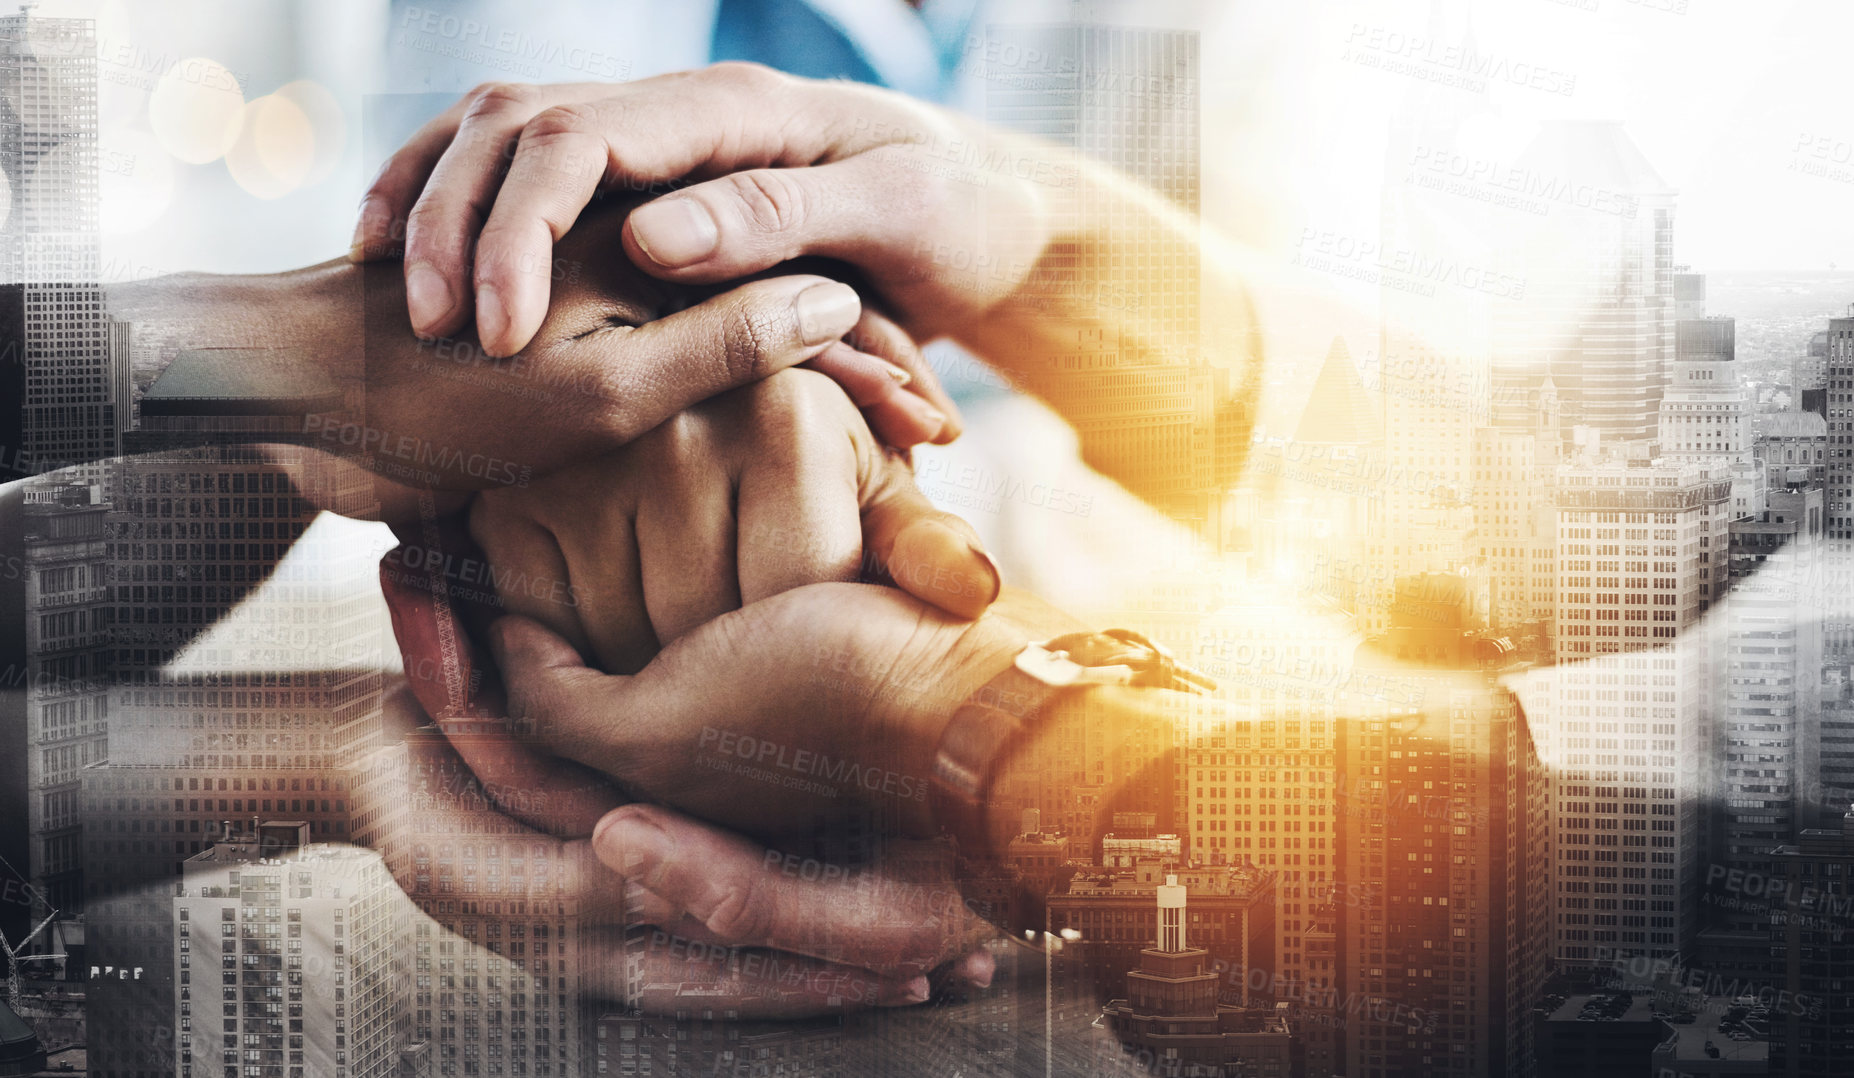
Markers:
{"x": 945, "y": 218}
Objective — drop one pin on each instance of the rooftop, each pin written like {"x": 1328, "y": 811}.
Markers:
{"x": 1605, "y": 1007}
{"x": 1725, "y": 1028}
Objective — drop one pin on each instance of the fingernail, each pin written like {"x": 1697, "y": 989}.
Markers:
{"x": 926, "y": 420}
{"x": 907, "y": 993}
{"x": 428, "y": 296}
{"x": 900, "y": 376}
{"x": 629, "y": 844}
{"x": 492, "y": 319}
{"x": 977, "y": 969}
{"x": 826, "y": 311}
{"x": 674, "y": 232}
{"x": 991, "y": 565}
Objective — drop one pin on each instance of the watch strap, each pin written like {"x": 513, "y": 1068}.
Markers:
{"x": 984, "y": 733}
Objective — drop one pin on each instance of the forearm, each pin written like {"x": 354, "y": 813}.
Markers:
{"x": 305, "y": 316}
{"x": 1130, "y": 308}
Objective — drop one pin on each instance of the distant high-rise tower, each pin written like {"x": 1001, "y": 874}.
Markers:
{"x": 1262, "y": 793}
{"x": 502, "y": 904}
{"x": 1810, "y": 935}
{"x": 1172, "y": 1010}
{"x": 1689, "y": 296}
{"x": 1598, "y": 308}
{"x": 1126, "y": 97}
{"x": 1706, "y": 411}
{"x": 71, "y": 358}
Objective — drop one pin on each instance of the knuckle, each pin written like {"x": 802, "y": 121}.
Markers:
{"x": 745, "y": 75}
{"x": 770, "y": 199}
{"x": 557, "y": 121}
{"x": 749, "y": 337}
{"x": 776, "y": 409}
{"x": 746, "y": 911}
{"x": 673, "y": 444}
{"x": 795, "y": 401}
{"x": 495, "y": 96}
{"x": 428, "y": 229}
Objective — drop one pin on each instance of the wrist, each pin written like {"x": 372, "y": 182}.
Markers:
{"x": 1016, "y": 743}
{"x": 984, "y": 650}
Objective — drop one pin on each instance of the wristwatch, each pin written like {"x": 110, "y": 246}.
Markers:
{"x": 998, "y": 719}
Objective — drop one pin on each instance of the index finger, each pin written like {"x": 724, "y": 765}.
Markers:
{"x": 700, "y": 124}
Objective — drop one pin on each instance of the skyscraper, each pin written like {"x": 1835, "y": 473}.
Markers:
{"x": 283, "y": 960}
{"x": 1642, "y": 555}
{"x": 1111, "y": 910}
{"x": 1165, "y": 424}
{"x": 1261, "y": 792}
{"x": 1441, "y": 836}
{"x": 1811, "y": 927}
{"x": 72, "y": 359}
{"x": 497, "y": 973}
{"x": 1516, "y": 459}
{"x": 1706, "y": 412}
{"x": 1838, "y": 581}
{"x": 1598, "y": 310}
{"x": 66, "y": 684}
{"x": 1768, "y": 751}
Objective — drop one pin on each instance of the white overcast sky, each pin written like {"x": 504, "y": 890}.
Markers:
{"x": 1725, "y": 97}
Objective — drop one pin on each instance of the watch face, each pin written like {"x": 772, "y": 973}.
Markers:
{"x": 1049, "y": 667}
{"x": 1118, "y": 648}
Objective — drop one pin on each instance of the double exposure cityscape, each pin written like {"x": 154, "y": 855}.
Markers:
{"x": 1355, "y": 581}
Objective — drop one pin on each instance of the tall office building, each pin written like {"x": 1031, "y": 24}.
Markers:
{"x": 1123, "y": 96}
{"x": 1689, "y": 294}
{"x": 1112, "y": 912}
{"x": 1442, "y": 841}
{"x": 1516, "y": 459}
{"x": 73, "y": 360}
{"x": 1313, "y": 498}
{"x": 1838, "y": 580}
{"x": 283, "y": 960}
{"x": 215, "y": 719}
{"x": 1789, "y": 441}
{"x": 1642, "y": 555}
{"x": 1768, "y": 750}
{"x": 1261, "y": 792}
{"x": 66, "y": 685}
{"x": 1811, "y": 929}
{"x": 1706, "y": 412}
